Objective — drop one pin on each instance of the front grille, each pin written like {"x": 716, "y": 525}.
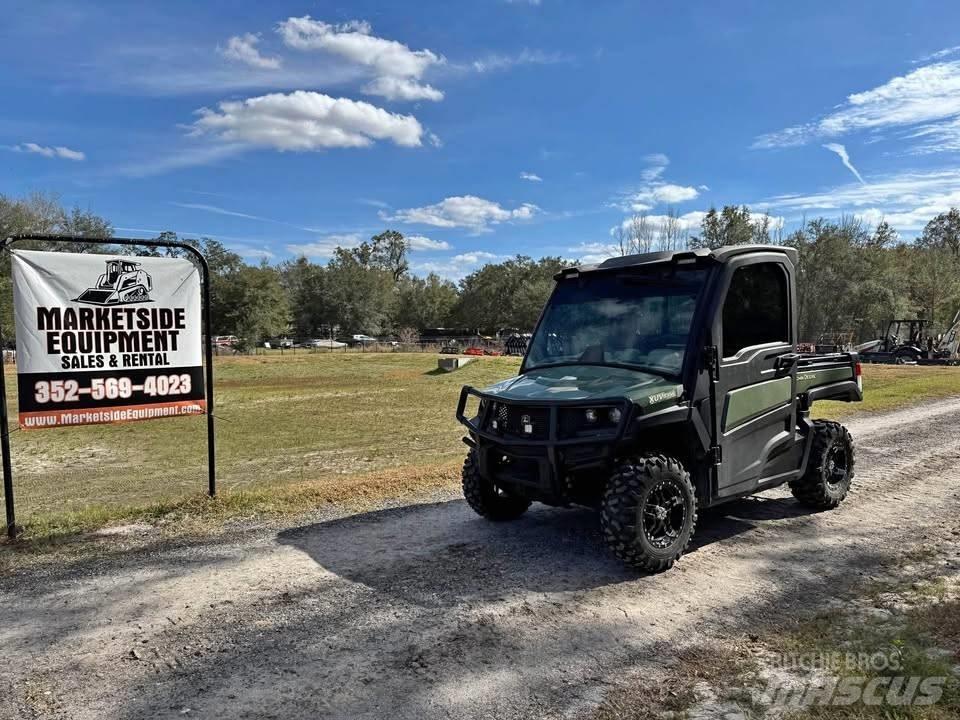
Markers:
{"x": 510, "y": 421}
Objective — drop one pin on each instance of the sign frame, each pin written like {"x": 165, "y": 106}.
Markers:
{"x": 12, "y": 529}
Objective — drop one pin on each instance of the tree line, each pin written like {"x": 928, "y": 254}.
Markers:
{"x": 851, "y": 277}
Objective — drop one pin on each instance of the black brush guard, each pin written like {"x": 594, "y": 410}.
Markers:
{"x": 539, "y": 469}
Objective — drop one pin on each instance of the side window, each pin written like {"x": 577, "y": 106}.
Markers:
{"x": 756, "y": 309}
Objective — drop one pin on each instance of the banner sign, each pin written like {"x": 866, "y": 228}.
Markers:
{"x": 106, "y": 338}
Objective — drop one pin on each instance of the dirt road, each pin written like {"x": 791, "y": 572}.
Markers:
{"x": 427, "y": 611}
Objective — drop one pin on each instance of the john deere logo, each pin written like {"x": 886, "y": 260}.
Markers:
{"x": 124, "y": 282}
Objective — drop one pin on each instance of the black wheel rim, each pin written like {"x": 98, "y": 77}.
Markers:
{"x": 837, "y": 464}
{"x": 663, "y": 515}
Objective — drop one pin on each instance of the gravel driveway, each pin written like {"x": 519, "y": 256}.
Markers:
{"x": 427, "y": 611}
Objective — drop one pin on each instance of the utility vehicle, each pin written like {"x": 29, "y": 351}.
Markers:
{"x": 656, "y": 385}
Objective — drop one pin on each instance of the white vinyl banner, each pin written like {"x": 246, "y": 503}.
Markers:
{"x": 106, "y": 338}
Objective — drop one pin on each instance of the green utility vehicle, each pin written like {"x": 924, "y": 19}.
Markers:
{"x": 656, "y": 385}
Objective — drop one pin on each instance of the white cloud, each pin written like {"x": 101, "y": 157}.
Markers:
{"x": 394, "y": 88}
{"x": 419, "y": 242}
{"x": 58, "y": 151}
{"x": 906, "y": 200}
{"x": 687, "y": 221}
{"x": 532, "y": 177}
{"x": 666, "y": 193}
{"x": 304, "y": 120}
{"x": 456, "y": 267}
{"x": 499, "y": 61}
{"x": 841, "y": 151}
{"x": 590, "y": 253}
{"x": 243, "y": 49}
{"x": 324, "y": 247}
{"x": 398, "y": 69}
{"x": 466, "y": 211}
{"x": 929, "y": 94}
{"x": 654, "y": 191}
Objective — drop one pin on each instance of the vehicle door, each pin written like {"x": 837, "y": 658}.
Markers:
{"x": 755, "y": 409}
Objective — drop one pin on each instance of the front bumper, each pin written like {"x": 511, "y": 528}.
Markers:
{"x": 541, "y": 468}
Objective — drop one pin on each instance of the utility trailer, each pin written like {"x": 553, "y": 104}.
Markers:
{"x": 654, "y": 386}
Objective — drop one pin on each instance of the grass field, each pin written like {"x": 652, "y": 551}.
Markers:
{"x": 297, "y": 431}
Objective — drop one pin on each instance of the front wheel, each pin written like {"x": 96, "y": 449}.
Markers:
{"x": 486, "y": 498}
{"x": 829, "y": 473}
{"x": 649, "y": 512}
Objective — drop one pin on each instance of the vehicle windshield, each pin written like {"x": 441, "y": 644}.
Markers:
{"x": 639, "y": 319}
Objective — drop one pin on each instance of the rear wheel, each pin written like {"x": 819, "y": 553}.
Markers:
{"x": 486, "y": 498}
{"x": 829, "y": 473}
{"x": 649, "y": 512}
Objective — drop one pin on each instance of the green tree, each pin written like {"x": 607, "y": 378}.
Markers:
{"x": 389, "y": 251}
{"x": 254, "y": 304}
{"x": 359, "y": 293}
{"x": 730, "y": 226}
{"x": 506, "y": 295}
{"x": 942, "y": 232}
{"x": 424, "y": 302}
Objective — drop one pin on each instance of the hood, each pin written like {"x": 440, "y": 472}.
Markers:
{"x": 588, "y": 382}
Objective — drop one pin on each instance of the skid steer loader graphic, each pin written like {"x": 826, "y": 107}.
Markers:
{"x": 123, "y": 282}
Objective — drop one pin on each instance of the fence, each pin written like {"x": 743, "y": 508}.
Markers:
{"x": 440, "y": 345}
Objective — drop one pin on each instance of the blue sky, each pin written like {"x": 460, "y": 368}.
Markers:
{"x": 480, "y": 129}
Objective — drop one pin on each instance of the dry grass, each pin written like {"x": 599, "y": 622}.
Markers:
{"x": 333, "y": 424}
{"x": 719, "y": 665}
{"x": 888, "y": 387}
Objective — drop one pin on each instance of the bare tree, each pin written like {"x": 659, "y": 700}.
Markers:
{"x": 642, "y": 233}
{"x": 673, "y": 234}
{"x": 622, "y": 237}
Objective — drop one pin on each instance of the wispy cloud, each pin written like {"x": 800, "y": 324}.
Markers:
{"x": 178, "y": 159}
{"x": 927, "y": 96}
{"x": 938, "y": 55}
{"x": 57, "y": 151}
{"x": 217, "y": 210}
{"x": 323, "y": 248}
{"x": 526, "y": 56}
{"x": 841, "y": 151}
{"x": 374, "y": 203}
{"x": 907, "y": 200}
{"x": 532, "y": 177}
{"x": 243, "y": 49}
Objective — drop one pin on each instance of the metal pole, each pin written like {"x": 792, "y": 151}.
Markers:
{"x": 5, "y": 449}
{"x": 207, "y": 328}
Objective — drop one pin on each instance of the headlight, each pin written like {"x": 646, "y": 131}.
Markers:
{"x": 526, "y": 424}
{"x": 615, "y": 414}
{"x": 591, "y": 415}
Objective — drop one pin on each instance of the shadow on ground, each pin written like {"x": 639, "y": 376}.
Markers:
{"x": 443, "y": 554}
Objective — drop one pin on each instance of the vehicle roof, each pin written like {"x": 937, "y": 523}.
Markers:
{"x": 719, "y": 255}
